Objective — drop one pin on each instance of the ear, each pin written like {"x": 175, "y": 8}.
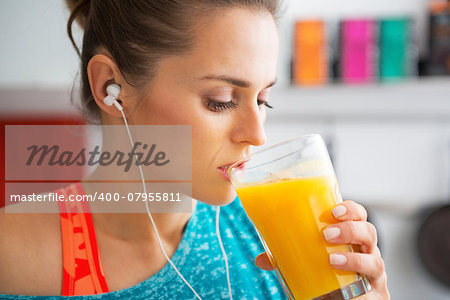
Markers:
{"x": 103, "y": 71}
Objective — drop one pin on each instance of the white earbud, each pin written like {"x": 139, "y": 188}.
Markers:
{"x": 113, "y": 91}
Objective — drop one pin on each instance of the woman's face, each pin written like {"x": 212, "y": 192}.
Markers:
{"x": 220, "y": 88}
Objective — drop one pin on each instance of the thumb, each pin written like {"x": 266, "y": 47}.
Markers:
{"x": 262, "y": 261}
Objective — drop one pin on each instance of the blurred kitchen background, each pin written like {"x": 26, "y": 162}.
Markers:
{"x": 371, "y": 76}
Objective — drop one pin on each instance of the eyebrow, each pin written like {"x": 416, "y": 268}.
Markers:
{"x": 235, "y": 81}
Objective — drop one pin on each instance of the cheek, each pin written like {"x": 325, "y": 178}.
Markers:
{"x": 209, "y": 149}
{"x": 160, "y": 112}
{"x": 207, "y": 140}
{"x": 211, "y": 133}
{"x": 168, "y": 104}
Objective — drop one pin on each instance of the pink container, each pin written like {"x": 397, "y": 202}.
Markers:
{"x": 358, "y": 51}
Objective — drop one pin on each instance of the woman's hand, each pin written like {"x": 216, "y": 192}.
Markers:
{"x": 353, "y": 228}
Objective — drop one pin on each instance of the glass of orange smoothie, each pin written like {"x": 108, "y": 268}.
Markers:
{"x": 288, "y": 191}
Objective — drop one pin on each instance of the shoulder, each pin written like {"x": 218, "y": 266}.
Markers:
{"x": 30, "y": 251}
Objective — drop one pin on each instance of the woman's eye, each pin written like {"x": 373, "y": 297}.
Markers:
{"x": 262, "y": 102}
{"x": 218, "y": 106}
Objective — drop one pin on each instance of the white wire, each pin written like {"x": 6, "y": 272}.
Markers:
{"x": 150, "y": 216}
{"x": 223, "y": 251}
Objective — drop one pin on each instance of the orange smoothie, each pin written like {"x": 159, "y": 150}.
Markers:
{"x": 290, "y": 215}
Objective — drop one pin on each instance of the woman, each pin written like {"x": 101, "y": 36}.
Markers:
{"x": 209, "y": 64}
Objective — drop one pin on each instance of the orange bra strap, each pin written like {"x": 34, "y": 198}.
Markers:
{"x": 82, "y": 270}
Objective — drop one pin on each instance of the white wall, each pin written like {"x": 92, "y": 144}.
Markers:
{"x": 36, "y": 52}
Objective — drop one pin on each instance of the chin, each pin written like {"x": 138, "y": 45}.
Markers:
{"x": 217, "y": 195}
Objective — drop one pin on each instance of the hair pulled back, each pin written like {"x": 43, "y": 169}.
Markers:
{"x": 138, "y": 33}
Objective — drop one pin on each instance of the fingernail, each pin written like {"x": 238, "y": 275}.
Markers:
{"x": 337, "y": 259}
{"x": 331, "y": 233}
{"x": 339, "y": 211}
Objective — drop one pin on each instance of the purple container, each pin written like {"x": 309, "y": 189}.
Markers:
{"x": 358, "y": 51}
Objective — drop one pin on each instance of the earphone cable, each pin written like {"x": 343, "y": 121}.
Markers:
{"x": 223, "y": 251}
{"x": 150, "y": 216}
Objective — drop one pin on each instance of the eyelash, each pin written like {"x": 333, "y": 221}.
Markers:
{"x": 216, "y": 106}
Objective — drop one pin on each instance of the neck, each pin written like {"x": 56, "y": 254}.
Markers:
{"x": 135, "y": 226}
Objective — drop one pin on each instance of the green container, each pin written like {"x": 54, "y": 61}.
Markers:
{"x": 395, "y": 48}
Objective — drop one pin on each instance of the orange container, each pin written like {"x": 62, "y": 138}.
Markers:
{"x": 310, "y": 63}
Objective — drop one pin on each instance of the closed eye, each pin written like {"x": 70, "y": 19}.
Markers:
{"x": 262, "y": 102}
{"x": 219, "y": 106}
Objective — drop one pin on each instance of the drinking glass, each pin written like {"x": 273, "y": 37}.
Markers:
{"x": 288, "y": 191}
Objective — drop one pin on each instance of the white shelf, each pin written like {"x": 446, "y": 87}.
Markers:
{"x": 424, "y": 98}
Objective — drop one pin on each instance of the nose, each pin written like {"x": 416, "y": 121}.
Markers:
{"x": 249, "y": 126}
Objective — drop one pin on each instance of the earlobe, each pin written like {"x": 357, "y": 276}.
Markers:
{"x": 102, "y": 72}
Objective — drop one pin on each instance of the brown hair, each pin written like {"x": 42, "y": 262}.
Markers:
{"x": 138, "y": 33}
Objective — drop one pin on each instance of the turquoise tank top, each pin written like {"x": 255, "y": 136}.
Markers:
{"x": 199, "y": 259}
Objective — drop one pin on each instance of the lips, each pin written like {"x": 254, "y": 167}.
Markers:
{"x": 223, "y": 169}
